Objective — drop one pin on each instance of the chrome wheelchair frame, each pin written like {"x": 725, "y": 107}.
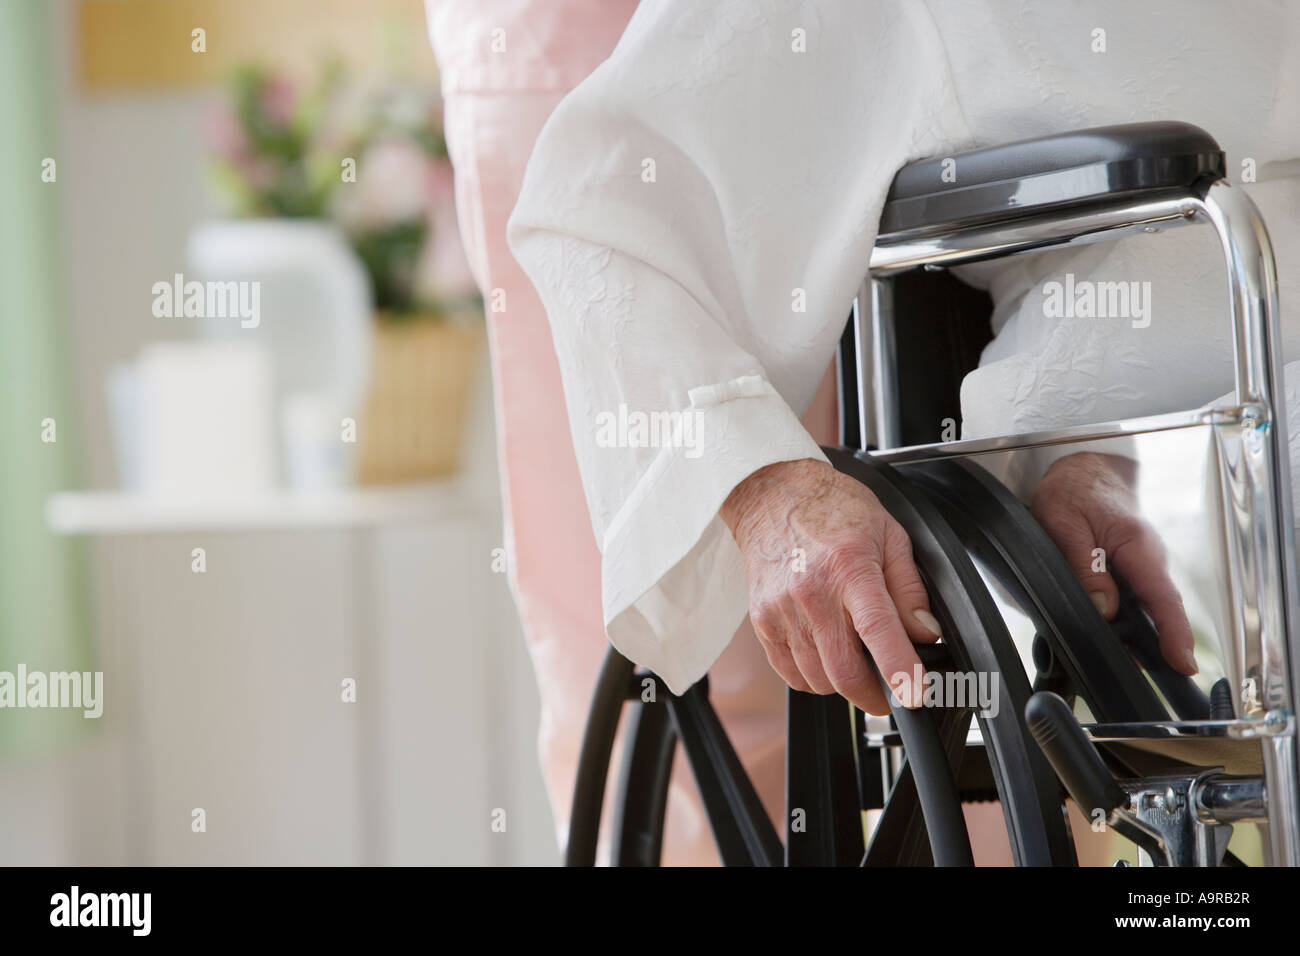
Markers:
{"x": 1058, "y": 191}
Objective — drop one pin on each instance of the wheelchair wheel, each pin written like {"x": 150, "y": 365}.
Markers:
{"x": 951, "y": 511}
{"x": 979, "y": 642}
{"x": 741, "y": 829}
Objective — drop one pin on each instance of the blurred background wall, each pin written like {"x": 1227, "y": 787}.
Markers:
{"x": 226, "y": 686}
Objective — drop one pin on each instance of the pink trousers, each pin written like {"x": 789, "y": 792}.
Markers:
{"x": 554, "y": 564}
{"x": 497, "y": 100}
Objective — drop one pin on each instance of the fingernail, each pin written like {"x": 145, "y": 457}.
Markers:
{"x": 928, "y": 621}
{"x": 905, "y": 692}
{"x": 1190, "y": 666}
{"x": 1100, "y": 600}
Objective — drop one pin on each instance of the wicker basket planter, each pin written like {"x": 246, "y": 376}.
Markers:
{"x": 421, "y": 380}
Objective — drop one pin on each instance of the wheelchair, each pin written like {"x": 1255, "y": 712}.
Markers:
{"x": 1095, "y": 714}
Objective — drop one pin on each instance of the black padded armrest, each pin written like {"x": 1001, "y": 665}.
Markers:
{"x": 1049, "y": 171}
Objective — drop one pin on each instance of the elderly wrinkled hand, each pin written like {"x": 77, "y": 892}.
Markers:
{"x": 1086, "y": 502}
{"x": 830, "y": 572}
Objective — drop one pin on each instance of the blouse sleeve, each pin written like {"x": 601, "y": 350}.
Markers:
{"x": 696, "y": 217}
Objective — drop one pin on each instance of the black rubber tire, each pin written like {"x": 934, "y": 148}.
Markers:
{"x": 1028, "y": 789}
{"x": 996, "y": 525}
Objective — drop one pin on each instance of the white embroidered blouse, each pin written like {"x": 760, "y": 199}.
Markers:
{"x": 698, "y": 214}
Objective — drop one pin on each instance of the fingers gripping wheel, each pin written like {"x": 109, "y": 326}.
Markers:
{"x": 924, "y": 799}
{"x": 979, "y": 642}
{"x": 998, "y": 528}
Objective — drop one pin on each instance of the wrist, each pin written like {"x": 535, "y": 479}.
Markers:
{"x": 747, "y": 500}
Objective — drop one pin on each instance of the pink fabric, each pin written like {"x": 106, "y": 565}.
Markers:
{"x": 527, "y": 46}
{"x": 496, "y": 103}
{"x": 493, "y": 115}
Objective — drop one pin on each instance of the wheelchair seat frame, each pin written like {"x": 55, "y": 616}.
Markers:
{"x": 1050, "y": 193}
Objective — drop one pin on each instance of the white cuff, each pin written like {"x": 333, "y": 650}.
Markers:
{"x": 674, "y": 579}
